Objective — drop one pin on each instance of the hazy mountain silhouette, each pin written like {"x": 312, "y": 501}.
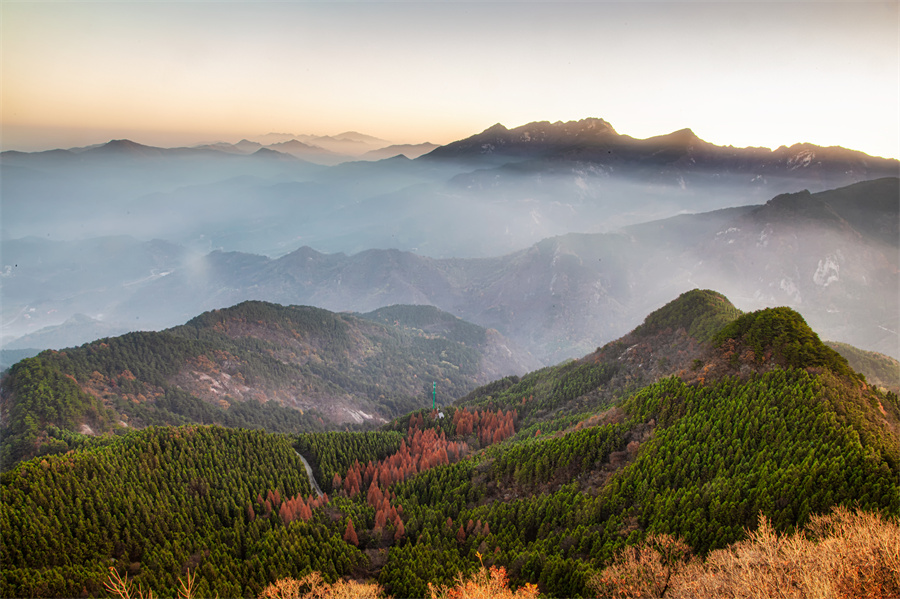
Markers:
{"x": 829, "y": 255}
{"x": 493, "y": 193}
{"x": 560, "y": 234}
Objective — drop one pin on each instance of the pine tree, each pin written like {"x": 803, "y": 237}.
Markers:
{"x": 350, "y": 534}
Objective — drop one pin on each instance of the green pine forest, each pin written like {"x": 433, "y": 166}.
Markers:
{"x": 692, "y": 425}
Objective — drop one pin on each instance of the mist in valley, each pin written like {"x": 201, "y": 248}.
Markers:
{"x": 559, "y": 237}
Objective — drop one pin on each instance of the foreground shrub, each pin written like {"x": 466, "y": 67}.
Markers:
{"x": 312, "y": 586}
{"x": 484, "y": 584}
{"x": 842, "y": 555}
{"x": 646, "y": 570}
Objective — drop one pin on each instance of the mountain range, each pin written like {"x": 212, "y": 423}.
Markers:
{"x": 559, "y": 235}
{"x": 490, "y": 194}
{"x": 831, "y": 255}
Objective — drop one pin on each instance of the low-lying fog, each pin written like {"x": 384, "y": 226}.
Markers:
{"x": 131, "y": 237}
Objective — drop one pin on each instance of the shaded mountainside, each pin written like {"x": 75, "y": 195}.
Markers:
{"x": 255, "y": 365}
{"x": 595, "y": 141}
{"x": 590, "y": 155}
{"x": 673, "y": 340}
{"x": 693, "y": 425}
{"x": 880, "y": 370}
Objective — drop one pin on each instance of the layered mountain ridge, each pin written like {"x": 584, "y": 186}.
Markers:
{"x": 556, "y": 238}
{"x": 538, "y": 181}
{"x": 830, "y": 255}
{"x": 596, "y": 141}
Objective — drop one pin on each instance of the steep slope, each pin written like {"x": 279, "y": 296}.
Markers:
{"x": 671, "y": 341}
{"x": 256, "y": 364}
{"x": 765, "y": 420}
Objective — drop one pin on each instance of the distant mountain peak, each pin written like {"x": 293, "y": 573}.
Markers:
{"x": 495, "y": 128}
{"x": 683, "y": 138}
{"x": 272, "y": 154}
{"x": 300, "y": 149}
{"x": 123, "y": 144}
{"x": 406, "y": 150}
{"x": 124, "y": 147}
{"x": 293, "y": 143}
{"x": 360, "y": 137}
{"x": 591, "y": 124}
{"x": 686, "y": 135}
{"x": 543, "y": 137}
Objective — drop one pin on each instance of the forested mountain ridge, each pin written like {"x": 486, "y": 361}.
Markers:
{"x": 286, "y": 369}
{"x": 672, "y": 340}
{"x": 693, "y": 425}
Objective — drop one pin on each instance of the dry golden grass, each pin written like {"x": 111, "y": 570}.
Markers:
{"x": 312, "y": 586}
{"x": 484, "y": 584}
{"x": 842, "y": 555}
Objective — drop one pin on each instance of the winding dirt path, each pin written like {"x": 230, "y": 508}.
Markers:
{"x": 309, "y": 472}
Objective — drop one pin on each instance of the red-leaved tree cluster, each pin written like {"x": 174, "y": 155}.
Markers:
{"x": 289, "y": 509}
{"x": 422, "y": 449}
{"x": 385, "y": 511}
{"x": 298, "y": 507}
{"x": 490, "y": 427}
{"x": 425, "y": 450}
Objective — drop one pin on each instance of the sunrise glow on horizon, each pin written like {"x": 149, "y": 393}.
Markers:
{"x": 742, "y": 74}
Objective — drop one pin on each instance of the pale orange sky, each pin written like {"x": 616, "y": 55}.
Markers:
{"x": 177, "y": 73}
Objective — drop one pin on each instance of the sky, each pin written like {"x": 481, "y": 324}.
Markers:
{"x": 181, "y": 73}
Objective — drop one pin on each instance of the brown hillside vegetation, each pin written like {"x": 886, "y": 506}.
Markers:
{"x": 841, "y": 555}
{"x": 484, "y": 584}
{"x": 312, "y": 586}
